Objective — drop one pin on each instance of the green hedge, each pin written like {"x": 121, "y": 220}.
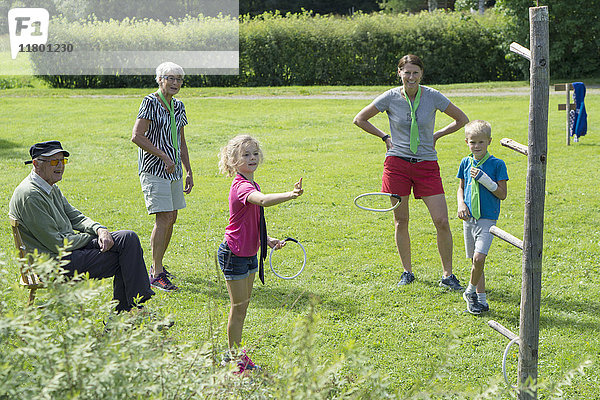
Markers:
{"x": 301, "y": 49}
{"x": 364, "y": 49}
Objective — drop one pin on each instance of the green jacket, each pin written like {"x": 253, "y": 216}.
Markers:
{"x": 46, "y": 220}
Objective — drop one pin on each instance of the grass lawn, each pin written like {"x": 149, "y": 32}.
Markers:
{"x": 419, "y": 336}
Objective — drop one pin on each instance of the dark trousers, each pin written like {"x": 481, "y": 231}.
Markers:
{"x": 124, "y": 261}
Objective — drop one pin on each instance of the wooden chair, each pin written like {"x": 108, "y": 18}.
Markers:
{"x": 29, "y": 279}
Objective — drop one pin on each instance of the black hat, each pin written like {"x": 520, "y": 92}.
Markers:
{"x": 46, "y": 149}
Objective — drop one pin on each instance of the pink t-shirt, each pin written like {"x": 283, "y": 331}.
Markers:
{"x": 242, "y": 233}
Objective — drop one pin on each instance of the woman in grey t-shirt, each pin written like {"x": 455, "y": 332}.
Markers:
{"x": 411, "y": 158}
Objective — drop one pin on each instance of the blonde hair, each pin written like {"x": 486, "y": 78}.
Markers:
{"x": 230, "y": 156}
{"x": 478, "y": 126}
{"x": 167, "y": 68}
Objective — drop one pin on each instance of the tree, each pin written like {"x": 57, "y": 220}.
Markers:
{"x": 342, "y": 7}
{"x": 574, "y": 34}
{"x": 400, "y": 6}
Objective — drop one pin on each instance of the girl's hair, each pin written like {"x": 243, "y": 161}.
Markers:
{"x": 230, "y": 156}
{"x": 168, "y": 68}
{"x": 411, "y": 59}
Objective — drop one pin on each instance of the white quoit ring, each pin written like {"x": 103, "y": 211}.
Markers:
{"x": 510, "y": 344}
{"x": 377, "y": 194}
{"x": 303, "y": 263}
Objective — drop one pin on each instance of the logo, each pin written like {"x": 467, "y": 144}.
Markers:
{"x": 27, "y": 27}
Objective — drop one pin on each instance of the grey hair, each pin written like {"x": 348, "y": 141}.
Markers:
{"x": 168, "y": 68}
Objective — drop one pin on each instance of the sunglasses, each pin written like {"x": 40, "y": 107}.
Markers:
{"x": 54, "y": 163}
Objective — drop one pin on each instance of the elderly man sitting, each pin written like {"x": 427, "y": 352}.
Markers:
{"x": 46, "y": 218}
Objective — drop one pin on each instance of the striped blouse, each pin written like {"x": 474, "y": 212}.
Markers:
{"x": 159, "y": 133}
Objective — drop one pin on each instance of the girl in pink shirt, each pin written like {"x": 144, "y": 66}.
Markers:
{"x": 238, "y": 253}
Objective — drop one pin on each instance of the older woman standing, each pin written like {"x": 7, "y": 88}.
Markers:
{"x": 159, "y": 132}
{"x": 411, "y": 158}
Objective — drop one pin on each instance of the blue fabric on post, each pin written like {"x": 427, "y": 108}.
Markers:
{"x": 579, "y": 125}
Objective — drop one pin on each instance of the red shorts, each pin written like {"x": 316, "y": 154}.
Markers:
{"x": 399, "y": 176}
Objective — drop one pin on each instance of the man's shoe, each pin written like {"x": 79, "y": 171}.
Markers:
{"x": 161, "y": 282}
{"x": 473, "y": 305}
{"x": 406, "y": 278}
{"x": 451, "y": 282}
{"x": 226, "y": 358}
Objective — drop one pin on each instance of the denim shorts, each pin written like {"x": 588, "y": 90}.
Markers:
{"x": 235, "y": 268}
{"x": 478, "y": 238}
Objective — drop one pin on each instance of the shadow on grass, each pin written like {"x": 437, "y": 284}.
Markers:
{"x": 298, "y": 300}
{"x": 548, "y": 305}
{"x": 265, "y": 297}
{"x": 587, "y": 144}
{"x": 7, "y": 149}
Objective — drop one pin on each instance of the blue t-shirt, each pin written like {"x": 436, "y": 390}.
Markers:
{"x": 488, "y": 203}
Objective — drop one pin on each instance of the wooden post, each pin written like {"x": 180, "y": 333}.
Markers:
{"x": 568, "y": 106}
{"x": 502, "y": 330}
{"x": 568, "y": 103}
{"x": 511, "y": 144}
{"x": 534, "y": 201}
{"x": 507, "y": 237}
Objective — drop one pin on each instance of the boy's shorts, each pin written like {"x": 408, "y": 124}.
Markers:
{"x": 235, "y": 268}
{"x": 162, "y": 195}
{"x": 399, "y": 176}
{"x": 477, "y": 235}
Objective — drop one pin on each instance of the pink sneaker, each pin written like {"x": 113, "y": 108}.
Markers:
{"x": 245, "y": 364}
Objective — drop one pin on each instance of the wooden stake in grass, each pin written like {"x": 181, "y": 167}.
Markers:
{"x": 533, "y": 240}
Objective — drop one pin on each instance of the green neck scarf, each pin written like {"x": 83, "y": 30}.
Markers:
{"x": 475, "y": 201}
{"x": 171, "y": 108}
{"x": 414, "y": 128}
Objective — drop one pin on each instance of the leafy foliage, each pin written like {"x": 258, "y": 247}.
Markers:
{"x": 162, "y": 10}
{"x": 340, "y": 7}
{"x": 400, "y": 6}
{"x": 8, "y": 82}
{"x": 574, "y": 34}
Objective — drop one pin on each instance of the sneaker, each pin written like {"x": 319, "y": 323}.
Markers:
{"x": 167, "y": 273}
{"x": 484, "y": 307}
{"x": 406, "y": 278}
{"x": 225, "y": 358}
{"x": 161, "y": 282}
{"x": 245, "y": 364}
{"x": 473, "y": 305}
{"x": 451, "y": 282}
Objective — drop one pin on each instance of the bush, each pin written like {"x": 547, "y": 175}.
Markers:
{"x": 364, "y": 49}
{"x": 93, "y": 41}
{"x": 302, "y": 49}
{"x": 72, "y": 345}
{"x": 8, "y": 82}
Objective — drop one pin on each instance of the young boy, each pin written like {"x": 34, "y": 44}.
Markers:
{"x": 482, "y": 185}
